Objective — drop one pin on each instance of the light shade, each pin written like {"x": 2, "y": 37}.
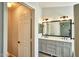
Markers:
{"x": 9, "y": 4}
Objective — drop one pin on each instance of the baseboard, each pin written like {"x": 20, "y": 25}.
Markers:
{"x": 11, "y": 55}
{"x": 47, "y": 54}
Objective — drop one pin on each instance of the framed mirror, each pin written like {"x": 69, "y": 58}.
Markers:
{"x": 57, "y": 28}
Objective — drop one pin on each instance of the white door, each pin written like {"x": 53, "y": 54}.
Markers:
{"x": 24, "y": 32}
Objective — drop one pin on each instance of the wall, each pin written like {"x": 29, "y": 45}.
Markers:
{"x": 37, "y": 8}
{"x": 56, "y": 12}
{"x": 5, "y": 29}
{"x": 76, "y": 17}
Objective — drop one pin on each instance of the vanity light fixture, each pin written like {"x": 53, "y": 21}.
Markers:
{"x": 12, "y": 5}
{"x": 9, "y": 4}
{"x": 46, "y": 19}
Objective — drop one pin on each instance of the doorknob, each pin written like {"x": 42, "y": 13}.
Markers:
{"x": 18, "y": 41}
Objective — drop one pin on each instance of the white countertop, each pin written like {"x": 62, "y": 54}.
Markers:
{"x": 58, "y": 39}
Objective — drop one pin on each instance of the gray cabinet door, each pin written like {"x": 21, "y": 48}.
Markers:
{"x": 67, "y": 49}
{"x": 58, "y": 49}
{"x": 40, "y": 45}
{"x": 51, "y": 47}
{"x": 64, "y": 49}
{"x": 44, "y": 45}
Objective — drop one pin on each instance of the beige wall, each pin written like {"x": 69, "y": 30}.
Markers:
{"x": 13, "y": 35}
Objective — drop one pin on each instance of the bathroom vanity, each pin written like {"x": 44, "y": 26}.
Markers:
{"x": 57, "y": 38}
{"x": 56, "y": 47}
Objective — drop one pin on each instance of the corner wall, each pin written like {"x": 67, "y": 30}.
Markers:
{"x": 37, "y": 8}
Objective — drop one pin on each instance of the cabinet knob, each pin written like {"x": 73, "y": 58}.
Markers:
{"x": 18, "y": 41}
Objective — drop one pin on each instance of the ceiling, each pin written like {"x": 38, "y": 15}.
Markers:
{"x": 56, "y": 4}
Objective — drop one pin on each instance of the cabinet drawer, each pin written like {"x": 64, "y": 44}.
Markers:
{"x": 43, "y": 41}
{"x": 51, "y": 48}
{"x": 67, "y": 44}
{"x": 59, "y": 43}
{"x": 50, "y": 42}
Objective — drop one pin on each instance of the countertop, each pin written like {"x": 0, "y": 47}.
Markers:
{"x": 59, "y": 39}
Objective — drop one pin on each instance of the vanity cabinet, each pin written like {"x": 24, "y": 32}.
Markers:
{"x": 56, "y": 48}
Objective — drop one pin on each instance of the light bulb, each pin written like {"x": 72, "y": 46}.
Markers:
{"x": 9, "y": 4}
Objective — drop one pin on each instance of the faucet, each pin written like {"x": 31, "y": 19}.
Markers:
{"x": 65, "y": 38}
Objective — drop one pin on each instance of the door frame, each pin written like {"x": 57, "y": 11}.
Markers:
{"x": 5, "y": 29}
